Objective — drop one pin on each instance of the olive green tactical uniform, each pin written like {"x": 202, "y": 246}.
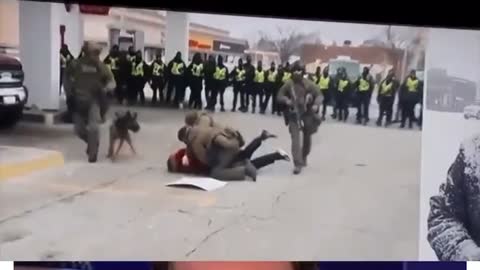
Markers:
{"x": 86, "y": 82}
{"x": 301, "y": 120}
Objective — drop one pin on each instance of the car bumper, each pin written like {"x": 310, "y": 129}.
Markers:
{"x": 14, "y": 96}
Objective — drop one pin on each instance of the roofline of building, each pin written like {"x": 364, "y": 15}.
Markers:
{"x": 226, "y": 32}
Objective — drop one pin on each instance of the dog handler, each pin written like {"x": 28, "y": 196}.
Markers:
{"x": 86, "y": 82}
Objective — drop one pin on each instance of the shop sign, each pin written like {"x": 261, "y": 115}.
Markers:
{"x": 229, "y": 47}
{"x": 195, "y": 44}
{"x": 94, "y": 9}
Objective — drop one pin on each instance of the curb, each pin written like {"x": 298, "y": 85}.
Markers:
{"x": 21, "y": 168}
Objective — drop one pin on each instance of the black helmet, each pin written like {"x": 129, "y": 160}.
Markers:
{"x": 298, "y": 66}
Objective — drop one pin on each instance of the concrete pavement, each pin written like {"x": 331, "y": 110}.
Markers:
{"x": 357, "y": 200}
{"x": 18, "y": 161}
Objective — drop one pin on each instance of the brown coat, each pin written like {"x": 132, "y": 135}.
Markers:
{"x": 197, "y": 118}
{"x": 199, "y": 140}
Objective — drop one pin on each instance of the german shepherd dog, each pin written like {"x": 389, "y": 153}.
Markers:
{"x": 120, "y": 129}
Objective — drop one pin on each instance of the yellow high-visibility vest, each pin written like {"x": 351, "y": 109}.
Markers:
{"x": 286, "y": 76}
{"x": 177, "y": 68}
{"x": 137, "y": 70}
{"x": 412, "y": 85}
{"x": 386, "y": 88}
{"x": 342, "y": 84}
{"x": 197, "y": 70}
{"x": 240, "y": 76}
{"x": 220, "y": 74}
{"x": 112, "y": 63}
{"x": 314, "y": 78}
{"x": 364, "y": 85}
{"x": 323, "y": 83}
{"x": 259, "y": 76}
{"x": 272, "y": 76}
{"x": 158, "y": 69}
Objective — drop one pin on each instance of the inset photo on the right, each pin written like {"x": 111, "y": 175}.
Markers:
{"x": 450, "y": 181}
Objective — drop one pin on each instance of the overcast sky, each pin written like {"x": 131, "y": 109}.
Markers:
{"x": 457, "y": 51}
{"x": 248, "y": 27}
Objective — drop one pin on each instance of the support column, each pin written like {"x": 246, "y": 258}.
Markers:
{"x": 177, "y": 32}
{"x": 40, "y": 48}
{"x": 139, "y": 40}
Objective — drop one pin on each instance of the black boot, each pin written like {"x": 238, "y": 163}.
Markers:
{"x": 267, "y": 135}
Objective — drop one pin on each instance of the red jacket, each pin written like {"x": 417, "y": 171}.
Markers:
{"x": 194, "y": 166}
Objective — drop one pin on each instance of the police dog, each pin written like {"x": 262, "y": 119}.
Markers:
{"x": 120, "y": 129}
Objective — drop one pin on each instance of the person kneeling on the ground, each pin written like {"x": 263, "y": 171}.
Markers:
{"x": 220, "y": 150}
{"x": 198, "y": 118}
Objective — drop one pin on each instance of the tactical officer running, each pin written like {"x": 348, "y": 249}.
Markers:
{"x": 86, "y": 82}
{"x": 301, "y": 100}
{"x": 364, "y": 87}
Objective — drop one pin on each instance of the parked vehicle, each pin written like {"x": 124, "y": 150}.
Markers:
{"x": 448, "y": 93}
{"x": 13, "y": 94}
{"x": 472, "y": 111}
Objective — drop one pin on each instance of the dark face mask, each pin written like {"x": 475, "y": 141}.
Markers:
{"x": 297, "y": 76}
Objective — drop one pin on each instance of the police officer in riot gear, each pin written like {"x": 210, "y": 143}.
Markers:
{"x": 195, "y": 81}
{"x": 158, "y": 79}
{"x": 112, "y": 61}
{"x": 409, "y": 97}
{"x": 131, "y": 53}
{"x": 209, "y": 70}
{"x": 271, "y": 88}
{"x": 385, "y": 97}
{"x": 139, "y": 70}
{"x": 342, "y": 95}
{"x": 87, "y": 80}
{"x": 258, "y": 86}
{"x": 249, "y": 84}
{"x": 220, "y": 78}
{"x": 326, "y": 85}
{"x": 238, "y": 78}
{"x": 301, "y": 99}
{"x": 364, "y": 87}
{"x": 176, "y": 80}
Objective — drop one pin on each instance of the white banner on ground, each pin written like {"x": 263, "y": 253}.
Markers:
{"x": 204, "y": 183}
{"x": 6, "y": 265}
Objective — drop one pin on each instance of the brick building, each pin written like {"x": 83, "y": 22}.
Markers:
{"x": 380, "y": 58}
